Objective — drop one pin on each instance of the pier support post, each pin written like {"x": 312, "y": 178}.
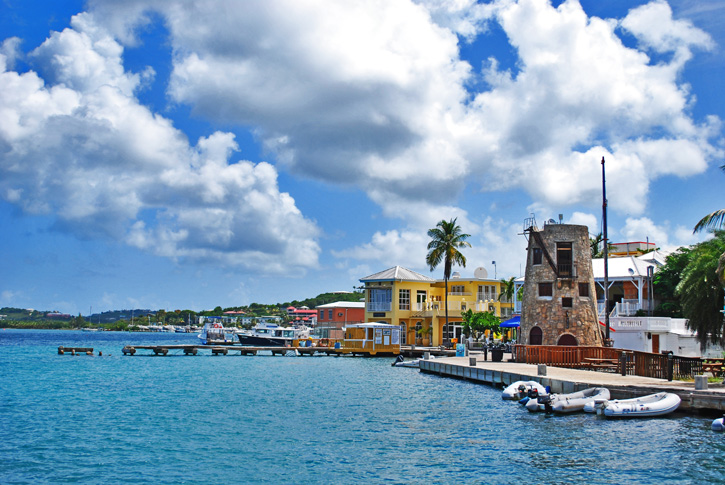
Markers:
{"x": 426, "y": 355}
{"x": 472, "y": 361}
{"x": 623, "y": 363}
{"x": 670, "y": 367}
{"x": 700, "y": 383}
{"x": 541, "y": 369}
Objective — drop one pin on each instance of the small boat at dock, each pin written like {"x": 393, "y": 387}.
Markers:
{"x": 520, "y": 389}
{"x": 271, "y": 335}
{"x": 415, "y": 363}
{"x": 568, "y": 403}
{"x": 651, "y": 405}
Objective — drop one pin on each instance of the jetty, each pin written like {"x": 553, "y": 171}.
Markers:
{"x": 75, "y": 350}
{"x": 695, "y": 396}
{"x": 227, "y": 349}
{"x": 191, "y": 349}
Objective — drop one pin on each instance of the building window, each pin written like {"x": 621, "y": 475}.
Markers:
{"x": 380, "y": 300}
{"x": 486, "y": 292}
{"x": 322, "y": 314}
{"x": 567, "y": 302}
{"x": 546, "y": 290}
{"x": 536, "y": 253}
{"x": 457, "y": 290}
{"x": 584, "y": 290}
{"x": 564, "y": 259}
{"x": 404, "y": 299}
{"x": 329, "y": 314}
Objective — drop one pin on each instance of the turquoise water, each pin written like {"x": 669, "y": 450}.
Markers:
{"x": 264, "y": 419}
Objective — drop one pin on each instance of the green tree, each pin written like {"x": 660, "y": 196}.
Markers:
{"x": 665, "y": 284}
{"x": 595, "y": 246}
{"x": 508, "y": 289}
{"x": 712, "y": 221}
{"x": 478, "y": 322}
{"x": 700, "y": 291}
{"x": 446, "y": 240}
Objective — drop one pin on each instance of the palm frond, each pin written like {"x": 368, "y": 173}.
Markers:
{"x": 714, "y": 220}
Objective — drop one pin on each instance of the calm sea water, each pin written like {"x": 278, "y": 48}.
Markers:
{"x": 264, "y": 419}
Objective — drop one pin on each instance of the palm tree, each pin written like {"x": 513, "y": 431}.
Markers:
{"x": 446, "y": 239}
{"x": 594, "y": 244}
{"x": 508, "y": 289}
{"x": 712, "y": 221}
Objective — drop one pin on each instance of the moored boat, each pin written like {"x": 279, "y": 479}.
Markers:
{"x": 272, "y": 335}
{"x": 520, "y": 389}
{"x": 568, "y": 403}
{"x": 657, "y": 404}
{"x": 415, "y": 363}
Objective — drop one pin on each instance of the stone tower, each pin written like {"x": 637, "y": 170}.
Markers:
{"x": 560, "y": 299}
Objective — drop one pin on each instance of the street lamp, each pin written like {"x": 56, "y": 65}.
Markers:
{"x": 494, "y": 269}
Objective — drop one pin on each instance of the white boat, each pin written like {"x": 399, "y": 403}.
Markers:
{"x": 272, "y": 335}
{"x": 214, "y": 332}
{"x": 568, "y": 403}
{"x": 520, "y": 389}
{"x": 646, "y": 406}
{"x": 415, "y": 363}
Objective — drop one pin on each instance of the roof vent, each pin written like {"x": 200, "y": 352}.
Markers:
{"x": 456, "y": 275}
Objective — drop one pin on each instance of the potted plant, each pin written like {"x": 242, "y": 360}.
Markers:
{"x": 424, "y": 333}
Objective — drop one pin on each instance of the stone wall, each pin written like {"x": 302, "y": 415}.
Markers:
{"x": 577, "y": 323}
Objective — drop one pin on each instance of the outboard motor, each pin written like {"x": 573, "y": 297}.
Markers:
{"x": 546, "y": 401}
{"x": 399, "y": 358}
{"x": 522, "y": 391}
{"x": 533, "y": 393}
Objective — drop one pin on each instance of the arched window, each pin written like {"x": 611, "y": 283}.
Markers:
{"x": 536, "y": 336}
{"x": 567, "y": 339}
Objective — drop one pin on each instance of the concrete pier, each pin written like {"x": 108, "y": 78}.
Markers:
{"x": 564, "y": 381}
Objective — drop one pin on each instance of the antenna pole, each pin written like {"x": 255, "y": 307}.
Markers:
{"x": 607, "y": 341}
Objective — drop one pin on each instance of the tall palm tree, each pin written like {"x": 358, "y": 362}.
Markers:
{"x": 446, "y": 239}
{"x": 714, "y": 220}
{"x": 508, "y": 289}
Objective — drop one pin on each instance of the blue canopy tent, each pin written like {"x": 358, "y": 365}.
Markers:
{"x": 514, "y": 322}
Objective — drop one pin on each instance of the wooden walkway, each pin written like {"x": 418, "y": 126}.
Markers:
{"x": 564, "y": 381}
{"x": 191, "y": 349}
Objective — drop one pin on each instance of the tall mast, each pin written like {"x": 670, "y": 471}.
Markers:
{"x": 607, "y": 341}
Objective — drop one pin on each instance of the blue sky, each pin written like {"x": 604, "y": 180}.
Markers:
{"x": 180, "y": 154}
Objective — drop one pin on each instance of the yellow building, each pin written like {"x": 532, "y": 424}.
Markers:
{"x": 415, "y": 302}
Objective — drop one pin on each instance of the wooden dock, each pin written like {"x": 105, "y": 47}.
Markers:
{"x": 75, "y": 350}
{"x": 563, "y": 380}
{"x": 191, "y": 349}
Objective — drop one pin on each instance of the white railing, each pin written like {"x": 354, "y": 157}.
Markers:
{"x": 488, "y": 295}
{"x": 624, "y": 308}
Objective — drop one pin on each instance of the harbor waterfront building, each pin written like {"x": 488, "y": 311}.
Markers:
{"x": 416, "y": 303}
{"x": 559, "y": 302}
{"x": 333, "y": 317}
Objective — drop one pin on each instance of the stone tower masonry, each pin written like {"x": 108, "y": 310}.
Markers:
{"x": 560, "y": 302}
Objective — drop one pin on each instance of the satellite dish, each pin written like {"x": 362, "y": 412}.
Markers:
{"x": 480, "y": 273}
{"x": 552, "y": 221}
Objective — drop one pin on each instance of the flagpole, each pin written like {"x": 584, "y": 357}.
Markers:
{"x": 607, "y": 341}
